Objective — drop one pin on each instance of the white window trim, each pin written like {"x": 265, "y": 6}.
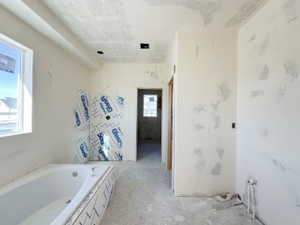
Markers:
{"x": 25, "y": 91}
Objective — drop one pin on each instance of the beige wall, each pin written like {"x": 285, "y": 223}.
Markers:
{"x": 57, "y": 77}
{"x": 119, "y": 79}
{"x": 205, "y": 106}
{"x": 268, "y": 110}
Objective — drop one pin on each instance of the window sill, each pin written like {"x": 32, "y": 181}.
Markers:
{"x": 15, "y": 134}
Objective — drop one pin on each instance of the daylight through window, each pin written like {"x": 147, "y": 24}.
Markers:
{"x": 15, "y": 87}
{"x": 150, "y": 105}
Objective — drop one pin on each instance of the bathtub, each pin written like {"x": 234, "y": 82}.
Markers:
{"x": 58, "y": 195}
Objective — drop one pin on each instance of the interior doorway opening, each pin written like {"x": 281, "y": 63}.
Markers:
{"x": 149, "y": 122}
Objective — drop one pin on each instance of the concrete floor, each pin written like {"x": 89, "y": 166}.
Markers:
{"x": 149, "y": 153}
{"x": 143, "y": 196}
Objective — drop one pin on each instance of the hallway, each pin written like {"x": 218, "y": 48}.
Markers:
{"x": 149, "y": 152}
{"x": 143, "y": 196}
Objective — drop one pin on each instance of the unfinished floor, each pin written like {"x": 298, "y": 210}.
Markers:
{"x": 149, "y": 153}
{"x": 143, "y": 195}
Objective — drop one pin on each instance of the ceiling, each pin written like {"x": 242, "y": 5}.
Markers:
{"x": 117, "y": 27}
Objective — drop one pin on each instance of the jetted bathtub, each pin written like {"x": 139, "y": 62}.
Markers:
{"x": 58, "y": 195}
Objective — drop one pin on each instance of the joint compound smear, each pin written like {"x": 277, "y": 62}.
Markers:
{"x": 292, "y": 74}
{"x": 225, "y": 92}
{"x": 291, "y": 69}
{"x": 290, "y": 9}
{"x": 245, "y": 12}
{"x": 206, "y": 8}
{"x": 217, "y": 121}
{"x": 252, "y": 38}
{"x": 200, "y": 108}
{"x": 264, "y": 75}
{"x": 200, "y": 165}
{"x": 265, "y": 133}
{"x": 257, "y": 93}
{"x": 199, "y": 127}
{"x": 212, "y": 110}
{"x": 220, "y": 152}
{"x": 216, "y": 170}
{"x": 264, "y": 45}
{"x": 215, "y": 105}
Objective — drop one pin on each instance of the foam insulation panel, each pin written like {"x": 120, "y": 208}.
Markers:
{"x": 82, "y": 125}
{"x": 106, "y": 135}
{"x": 99, "y": 133}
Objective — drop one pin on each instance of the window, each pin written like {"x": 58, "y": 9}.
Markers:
{"x": 150, "y": 105}
{"x": 15, "y": 87}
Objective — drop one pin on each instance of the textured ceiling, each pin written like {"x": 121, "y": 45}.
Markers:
{"x": 118, "y": 26}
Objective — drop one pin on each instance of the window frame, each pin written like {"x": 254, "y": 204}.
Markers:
{"x": 24, "y": 88}
{"x": 148, "y": 115}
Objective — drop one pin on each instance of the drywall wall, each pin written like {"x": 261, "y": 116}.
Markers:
{"x": 57, "y": 77}
{"x": 205, "y": 106}
{"x": 268, "y": 110}
{"x": 124, "y": 79}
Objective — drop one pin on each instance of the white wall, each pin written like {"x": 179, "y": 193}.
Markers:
{"x": 269, "y": 109}
{"x": 205, "y": 106}
{"x": 57, "y": 76}
{"x": 117, "y": 79}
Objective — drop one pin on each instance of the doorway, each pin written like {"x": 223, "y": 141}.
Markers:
{"x": 149, "y": 118}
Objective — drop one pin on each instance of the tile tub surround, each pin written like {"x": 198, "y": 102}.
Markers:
{"x": 92, "y": 209}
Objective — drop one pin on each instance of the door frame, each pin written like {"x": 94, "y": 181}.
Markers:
{"x": 170, "y": 124}
{"x": 137, "y": 117}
